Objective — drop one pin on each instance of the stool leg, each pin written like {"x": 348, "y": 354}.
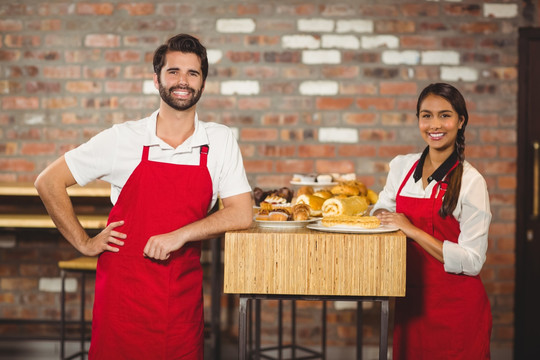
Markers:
{"x": 62, "y": 313}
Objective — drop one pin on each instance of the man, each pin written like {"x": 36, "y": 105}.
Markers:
{"x": 166, "y": 172}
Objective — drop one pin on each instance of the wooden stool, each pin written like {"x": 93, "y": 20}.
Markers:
{"x": 82, "y": 265}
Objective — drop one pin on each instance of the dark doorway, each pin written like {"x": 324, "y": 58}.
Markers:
{"x": 527, "y": 309}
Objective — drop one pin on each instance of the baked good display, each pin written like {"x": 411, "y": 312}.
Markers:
{"x": 260, "y": 195}
{"x": 306, "y": 189}
{"x": 345, "y": 189}
{"x": 352, "y": 205}
{"x": 278, "y": 215}
{"x": 324, "y": 179}
{"x": 372, "y": 197}
{"x": 366, "y": 222}
{"x": 325, "y": 194}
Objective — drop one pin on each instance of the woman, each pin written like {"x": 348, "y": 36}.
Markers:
{"x": 441, "y": 203}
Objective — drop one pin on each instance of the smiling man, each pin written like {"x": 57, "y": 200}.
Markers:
{"x": 166, "y": 172}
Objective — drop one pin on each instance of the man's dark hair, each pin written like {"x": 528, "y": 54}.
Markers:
{"x": 184, "y": 43}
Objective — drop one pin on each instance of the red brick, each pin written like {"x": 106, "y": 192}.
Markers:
{"x": 258, "y": 166}
{"x": 10, "y": 55}
{"x": 279, "y": 119}
{"x": 292, "y": 166}
{"x": 218, "y": 103}
{"x": 13, "y": 40}
{"x": 428, "y": 10}
{"x": 281, "y": 151}
{"x": 108, "y": 73}
{"x": 463, "y": 9}
{"x": 135, "y": 72}
{"x": 458, "y": 42}
{"x": 506, "y": 182}
{"x": 254, "y": 103}
{"x": 122, "y": 56}
{"x": 274, "y": 181}
{"x": 254, "y": 134}
{"x": 9, "y": 148}
{"x": 100, "y": 103}
{"x": 138, "y": 9}
{"x": 297, "y": 134}
{"x": 60, "y": 103}
{"x": 498, "y": 136}
{"x": 282, "y": 88}
{"x": 357, "y": 150}
{"x": 123, "y": 87}
{"x": 45, "y": 25}
{"x": 332, "y": 166}
{"x": 395, "y": 26}
{"x": 332, "y": 103}
{"x": 282, "y": 57}
{"x": 391, "y": 151}
{"x": 38, "y": 149}
{"x": 62, "y": 72}
{"x": 378, "y": 10}
{"x": 102, "y": 40}
{"x": 304, "y": 9}
{"x": 418, "y": 42}
{"x": 20, "y": 103}
{"x": 83, "y": 87}
{"x": 377, "y": 135}
{"x": 341, "y": 72}
{"x": 95, "y": 9}
{"x": 398, "y": 119}
{"x": 243, "y": 56}
{"x": 481, "y": 151}
{"x": 398, "y": 88}
{"x": 316, "y": 151}
{"x": 17, "y": 165}
{"x": 376, "y": 103}
{"x": 357, "y": 89}
{"x": 18, "y": 283}
{"x": 484, "y": 28}
{"x": 360, "y": 118}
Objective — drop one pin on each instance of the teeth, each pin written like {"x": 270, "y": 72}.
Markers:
{"x": 436, "y": 135}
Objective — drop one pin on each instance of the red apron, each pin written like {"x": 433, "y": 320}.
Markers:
{"x": 150, "y": 309}
{"x": 443, "y": 316}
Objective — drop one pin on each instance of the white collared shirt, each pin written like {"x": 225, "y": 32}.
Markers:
{"x": 472, "y": 211}
{"x": 113, "y": 154}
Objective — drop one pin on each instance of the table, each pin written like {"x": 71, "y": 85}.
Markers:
{"x": 298, "y": 263}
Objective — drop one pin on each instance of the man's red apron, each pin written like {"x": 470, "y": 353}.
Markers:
{"x": 149, "y": 309}
{"x": 443, "y": 316}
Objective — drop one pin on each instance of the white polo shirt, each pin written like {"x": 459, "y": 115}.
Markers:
{"x": 113, "y": 154}
{"x": 472, "y": 211}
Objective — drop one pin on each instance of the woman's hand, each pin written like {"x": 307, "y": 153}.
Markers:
{"x": 398, "y": 220}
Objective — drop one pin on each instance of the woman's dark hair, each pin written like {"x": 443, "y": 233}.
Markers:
{"x": 184, "y": 43}
{"x": 454, "y": 97}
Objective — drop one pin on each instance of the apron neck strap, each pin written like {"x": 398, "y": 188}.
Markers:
{"x": 204, "y": 155}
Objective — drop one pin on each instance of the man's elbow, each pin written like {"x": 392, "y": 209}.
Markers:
{"x": 245, "y": 221}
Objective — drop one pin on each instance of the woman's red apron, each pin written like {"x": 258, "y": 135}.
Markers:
{"x": 150, "y": 309}
{"x": 443, "y": 316}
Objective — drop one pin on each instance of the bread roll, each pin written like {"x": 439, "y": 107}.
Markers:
{"x": 315, "y": 203}
{"x": 306, "y": 189}
{"x": 352, "y": 205}
{"x": 345, "y": 189}
{"x": 325, "y": 194}
{"x": 366, "y": 222}
{"x": 372, "y": 197}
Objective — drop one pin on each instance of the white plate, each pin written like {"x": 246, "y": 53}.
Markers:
{"x": 313, "y": 183}
{"x": 352, "y": 229}
{"x": 284, "y": 224}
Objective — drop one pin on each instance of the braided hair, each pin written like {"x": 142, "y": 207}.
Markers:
{"x": 454, "y": 97}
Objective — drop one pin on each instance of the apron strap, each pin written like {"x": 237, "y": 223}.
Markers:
{"x": 204, "y": 155}
{"x": 407, "y": 177}
{"x": 145, "y": 153}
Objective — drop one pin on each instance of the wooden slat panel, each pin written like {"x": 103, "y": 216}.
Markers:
{"x": 306, "y": 262}
{"x": 99, "y": 189}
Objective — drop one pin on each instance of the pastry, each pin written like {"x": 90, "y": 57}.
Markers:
{"x": 366, "y": 222}
{"x": 277, "y": 215}
{"x": 275, "y": 199}
{"x": 324, "y": 179}
{"x": 325, "y": 194}
{"x": 352, "y": 205}
{"x": 372, "y": 197}
{"x": 345, "y": 189}
{"x": 301, "y": 212}
{"x": 315, "y": 203}
{"x": 306, "y": 189}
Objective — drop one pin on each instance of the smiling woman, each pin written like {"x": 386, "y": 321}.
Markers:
{"x": 446, "y": 217}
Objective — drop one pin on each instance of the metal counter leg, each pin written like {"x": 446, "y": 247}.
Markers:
{"x": 359, "y": 327}
{"x": 242, "y": 331}
{"x": 383, "y": 347}
{"x": 83, "y": 325}
{"x": 62, "y": 314}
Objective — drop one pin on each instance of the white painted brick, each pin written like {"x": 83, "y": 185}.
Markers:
{"x": 55, "y": 284}
{"x": 373, "y": 42}
{"x": 340, "y": 41}
{"x": 440, "y": 58}
{"x": 214, "y": 56}
{"x": 235, "y": 25}
{"x": 359, "y": 26}
{"x": 7, "y": 241}
{"x": 315, "y": 25}
{"x": 34, "y": 119}
{"x": 321, "y": 57}
{"x": 456, "y": 73}
{"x": 338, "y": 135}
{"x": 149, "y": 88}
{"x": 246, "y": 87}
{"x": 352, "y": 305}
{"x": 501, "y": 10}
{"x": 319, "y": 88}
{"x": 393, "y": 57}
{"x": 300, "y": 42}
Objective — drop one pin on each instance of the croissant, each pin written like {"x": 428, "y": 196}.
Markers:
{"x": 314, "y": 202}
{"x": 352, "y": 205}
{"x": 301, "y": 212}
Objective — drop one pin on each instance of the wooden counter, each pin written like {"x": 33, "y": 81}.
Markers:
{"x": 310, "y": 262}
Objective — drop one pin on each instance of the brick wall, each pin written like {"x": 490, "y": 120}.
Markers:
{"x": 308, "y": 86}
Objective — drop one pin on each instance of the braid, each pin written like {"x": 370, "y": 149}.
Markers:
{"x": 454, "y": 178}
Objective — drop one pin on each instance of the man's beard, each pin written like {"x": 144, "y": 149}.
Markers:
{"x": 179, "y": 104}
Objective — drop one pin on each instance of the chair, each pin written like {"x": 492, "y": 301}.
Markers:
{"x": 83, "y": 265}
